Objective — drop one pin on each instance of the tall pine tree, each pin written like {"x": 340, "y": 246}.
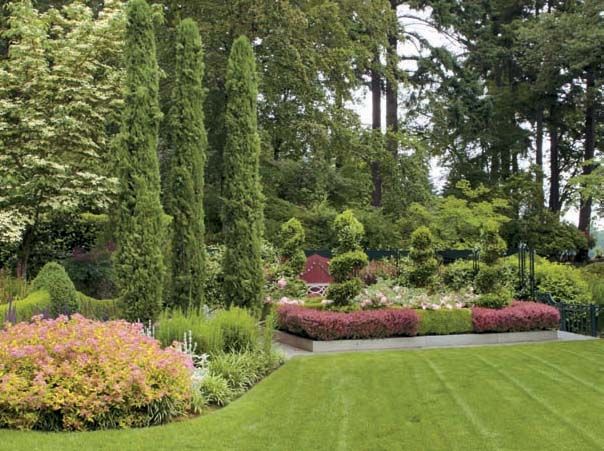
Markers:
{"x": 188, "y": 142}
{"x": 139, "y": 261}
{"x": 243, "y": 200}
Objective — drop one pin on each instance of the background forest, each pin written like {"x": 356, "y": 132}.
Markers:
{"x": 509, "y": 103}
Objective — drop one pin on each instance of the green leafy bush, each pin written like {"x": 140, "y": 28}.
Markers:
{"x": 445, "y": 322}
{"x": 173, "y": 325}
{"x": 492, "y": 246}
{"x": 215, "y": 390}
{"x": 342, "y": 293}
{"x": 292, "y": 239}
{"x": 346, "y": 266}
{"x": 239, "y": 330}
{"x": 422, "y": 257}
{"x": 489, "y": 279}
{"x": 563, "y": 282}
{"x": 349, "y": 232}
{"x": 458, "y": 275}
{"x": 496, "y": 299}
{"x": 63, "y": 295}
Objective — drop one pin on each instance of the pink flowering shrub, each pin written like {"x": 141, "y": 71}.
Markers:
{"x": 77, "y": 374}
{"x": 519, "y": 317}
{"x": 326, "y": 325}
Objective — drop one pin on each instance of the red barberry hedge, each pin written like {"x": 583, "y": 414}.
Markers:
{"x": 521, "y": 316}
{"x": 325, "y": 325}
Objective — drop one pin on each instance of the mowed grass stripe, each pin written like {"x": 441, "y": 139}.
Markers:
{"x": 574, "y": 428}
{"x": 505, "y": 397}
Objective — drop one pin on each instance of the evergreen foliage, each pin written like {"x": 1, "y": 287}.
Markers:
{"x": 349, "y": 258}
{"x": 63, "y": 296}
{"x": 492, "y": 247}
{"x": 242, "y": 193}
{"x": 292, "y": 246}
{"x": 422, "y": 257}
{"x": 349, "y": 232}
{"x": 188, "y": 142}
{"x": 139, "y": 260}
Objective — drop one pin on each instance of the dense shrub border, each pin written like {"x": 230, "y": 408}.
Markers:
{"x": 521, "y": 316}
{"x": 325, "y": 325}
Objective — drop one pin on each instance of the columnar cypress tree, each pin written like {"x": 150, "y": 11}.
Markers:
{"x": 242, "y": 214}
{"x": 188, "y": 141}
{"x": 139, "y": 261}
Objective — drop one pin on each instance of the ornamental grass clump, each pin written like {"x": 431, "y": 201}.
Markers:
{"x": 79, "y": 374}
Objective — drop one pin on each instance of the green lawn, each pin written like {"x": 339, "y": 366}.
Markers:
{"x": 548, "y": 396}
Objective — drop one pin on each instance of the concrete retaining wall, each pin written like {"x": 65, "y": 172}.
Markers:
{"x": 428, "y": 341}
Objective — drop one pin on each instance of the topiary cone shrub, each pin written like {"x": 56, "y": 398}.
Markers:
{"x": 423, "y": 258}
{"x": 292, "y": 239}
{"x": 64, "y": 298}
{"x": 349, "y": 259}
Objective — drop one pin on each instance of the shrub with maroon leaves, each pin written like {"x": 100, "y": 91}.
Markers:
{"x": 326, "y": 325}
{"x": 519, "y": 317}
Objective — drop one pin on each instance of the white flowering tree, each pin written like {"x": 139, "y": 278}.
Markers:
{"x": 59, "y": 96}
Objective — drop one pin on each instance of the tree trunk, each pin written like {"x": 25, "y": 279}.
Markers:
{"x": 376, "y": 124}
{"x": 392, "y": 86}
{"x": 554, "y": 183}
{"x": 589, "y": 150}
{"x": 539, "y": 155}
{"x": 24, "y": 253}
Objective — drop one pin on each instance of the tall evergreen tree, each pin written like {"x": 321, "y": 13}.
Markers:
{"x": 243, "y": 199}
{"x": 188, "y": 141}
{"x": 139, "y": 260}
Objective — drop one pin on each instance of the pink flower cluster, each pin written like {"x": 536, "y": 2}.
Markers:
{"x": 87, "y": 374}
{"x": 519, "y": 317}
{"x": 326, "y": 325}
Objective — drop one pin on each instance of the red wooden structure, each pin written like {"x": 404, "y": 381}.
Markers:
{"x": 316, "y": 274}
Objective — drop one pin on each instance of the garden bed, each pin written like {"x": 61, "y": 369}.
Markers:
{"x": 325, "y": 331}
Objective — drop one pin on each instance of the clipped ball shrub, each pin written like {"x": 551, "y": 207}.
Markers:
{"x": 445, "y": 322}
{"x": 342, "y": 293}
{"x": 348, "y": 231}
{"x": 347, "y": 265}
{"x": 63, "y": 295}
{"x": 78, "y": 374}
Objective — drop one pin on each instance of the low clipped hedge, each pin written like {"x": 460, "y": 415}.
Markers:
{"x": 445, "y": 322}
{"x": 38, "y": 303}
{"x": 325, "y": 325}
{"x": 521, "y": 316}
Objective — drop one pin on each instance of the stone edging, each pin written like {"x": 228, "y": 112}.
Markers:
{"x": 427, "y": 341}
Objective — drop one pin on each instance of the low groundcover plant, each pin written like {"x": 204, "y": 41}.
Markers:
{"x": 78, "y": 374}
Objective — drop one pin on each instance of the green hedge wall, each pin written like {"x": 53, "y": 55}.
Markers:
{"x": 445, "y": 322}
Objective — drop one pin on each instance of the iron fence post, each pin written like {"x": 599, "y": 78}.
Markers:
{"x": 594, "y": 320}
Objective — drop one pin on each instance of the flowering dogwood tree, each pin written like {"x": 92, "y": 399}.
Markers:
{"x": 59, "y": 94}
